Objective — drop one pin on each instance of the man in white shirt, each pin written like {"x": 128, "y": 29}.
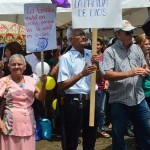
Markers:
{"x": 75, "y": 67}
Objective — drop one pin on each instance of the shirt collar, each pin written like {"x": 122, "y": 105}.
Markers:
{"x": 77, "y": 53}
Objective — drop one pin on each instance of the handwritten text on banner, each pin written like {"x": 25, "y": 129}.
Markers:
{"x": 40, "y": 24}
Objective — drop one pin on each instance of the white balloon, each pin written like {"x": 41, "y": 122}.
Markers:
{"x": 38, "y": 69}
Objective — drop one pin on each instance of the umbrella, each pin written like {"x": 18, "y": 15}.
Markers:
{"x": 10, "y": 31}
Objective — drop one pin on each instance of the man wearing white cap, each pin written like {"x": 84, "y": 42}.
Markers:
{"x": 124, "y": 66}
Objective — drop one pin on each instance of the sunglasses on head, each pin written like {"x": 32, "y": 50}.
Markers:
{"x": 129, "y": 32}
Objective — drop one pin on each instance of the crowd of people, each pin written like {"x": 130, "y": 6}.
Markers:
{"x": 122, "y": 91}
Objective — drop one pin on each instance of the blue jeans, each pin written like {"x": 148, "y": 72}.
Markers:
{"x": 101, "y": 98}
{"x": 148, "y": 101}
{"x": 140, "y": 117}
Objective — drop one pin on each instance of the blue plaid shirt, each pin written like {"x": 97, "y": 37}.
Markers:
{"x": 116, "y": 58}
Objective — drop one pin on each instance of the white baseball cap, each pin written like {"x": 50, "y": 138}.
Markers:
{"x": 126, "y": 26}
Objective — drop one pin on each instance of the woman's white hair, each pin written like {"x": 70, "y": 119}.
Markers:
{"x": 17, "y": 56}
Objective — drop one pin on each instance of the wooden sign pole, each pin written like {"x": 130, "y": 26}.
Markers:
{"x": 93, "y": 80}
{"x": 42, "y": 62}
{"x": 42, "y": 66}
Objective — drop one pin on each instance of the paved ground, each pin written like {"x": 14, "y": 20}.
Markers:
{"x": 101, "y": 144}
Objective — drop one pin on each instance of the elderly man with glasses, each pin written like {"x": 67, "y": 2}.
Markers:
{"x": 75, "y": 69}
{"x": 124, "y": 66}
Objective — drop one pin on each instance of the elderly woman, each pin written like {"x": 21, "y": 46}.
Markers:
{"x": 18, "y": 124}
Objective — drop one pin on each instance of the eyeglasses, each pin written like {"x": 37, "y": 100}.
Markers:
{"x": 80, "y": 34}
{"x": 129, "y": 32}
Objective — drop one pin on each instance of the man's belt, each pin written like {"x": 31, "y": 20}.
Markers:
{"x": 78, "y": 96}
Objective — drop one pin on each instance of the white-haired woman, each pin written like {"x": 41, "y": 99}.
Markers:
{"x": 18, "y": 123}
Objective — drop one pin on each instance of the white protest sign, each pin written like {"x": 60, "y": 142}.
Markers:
{"x": 96, "y": 13}
{"x": 135, "y": 3}
{"x": 40, "y": 24}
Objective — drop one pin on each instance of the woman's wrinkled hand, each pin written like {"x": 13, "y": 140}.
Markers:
{"x": 43, "y": 79}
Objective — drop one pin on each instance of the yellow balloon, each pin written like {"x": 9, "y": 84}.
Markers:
{"x": 54, "y": 104}
{"x": 50, "y": 84}
{"x": 39, "y": 85}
